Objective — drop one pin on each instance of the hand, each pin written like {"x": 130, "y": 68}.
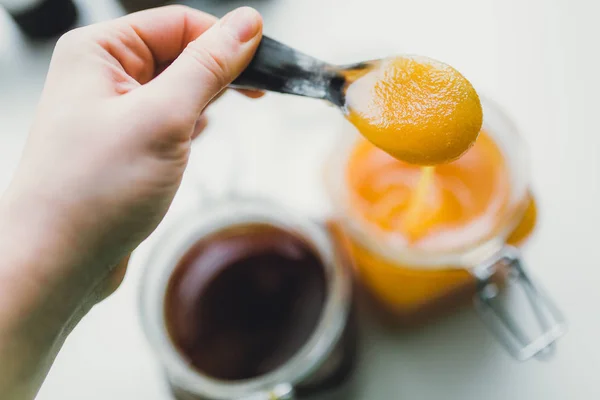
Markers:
{"x": 105, "y": 157}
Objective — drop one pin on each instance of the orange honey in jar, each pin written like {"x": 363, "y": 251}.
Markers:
{"x": 400, "y": 208}
{"x": 431, "y": 208}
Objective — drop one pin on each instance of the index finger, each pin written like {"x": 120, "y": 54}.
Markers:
{"x": 166, "y": 31}
{"x": 142, "y": 42}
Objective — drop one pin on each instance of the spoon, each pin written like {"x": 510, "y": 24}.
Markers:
{"x": 280, "y": 68}
{"x": 416, "y": 109}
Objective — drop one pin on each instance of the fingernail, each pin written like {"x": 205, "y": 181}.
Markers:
{"x": 243, "y": 23}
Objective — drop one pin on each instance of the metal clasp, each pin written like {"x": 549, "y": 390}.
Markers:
{"x": 501, "y": 321}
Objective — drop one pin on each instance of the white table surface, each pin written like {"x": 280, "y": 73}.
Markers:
{"x": 539, "y": 58}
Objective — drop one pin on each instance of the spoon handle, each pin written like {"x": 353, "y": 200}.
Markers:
{"x": 280, "y": 68}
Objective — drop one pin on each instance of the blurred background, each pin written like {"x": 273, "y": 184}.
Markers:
{"x": 537, "y": 58}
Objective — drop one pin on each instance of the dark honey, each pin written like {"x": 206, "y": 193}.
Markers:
{"x": 243, "y": 301}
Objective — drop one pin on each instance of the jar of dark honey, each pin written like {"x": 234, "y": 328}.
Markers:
{"x": 246, "y": 300}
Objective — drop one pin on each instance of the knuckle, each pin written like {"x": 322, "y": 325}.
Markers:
{"x": 69, "y": 38}
{"x": 213, "y": 63}
{"x": 76, "y": 35}
{"x": 75, "y": 40}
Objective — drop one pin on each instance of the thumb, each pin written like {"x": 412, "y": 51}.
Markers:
{"x": 211, "y": 62}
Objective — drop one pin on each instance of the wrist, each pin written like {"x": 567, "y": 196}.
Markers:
{"x": 40, "y": 300}
{"x": 40, "y": 272}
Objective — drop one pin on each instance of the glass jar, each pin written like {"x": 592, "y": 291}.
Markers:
{"x": 415, "y": 283}
{"x": 322, "y": 363}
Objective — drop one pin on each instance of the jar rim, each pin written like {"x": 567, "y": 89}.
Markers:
{"x": 495, "y": 122}
{"x": 181, "y": 235}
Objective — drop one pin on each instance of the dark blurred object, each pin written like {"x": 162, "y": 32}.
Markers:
{"x": 215, "y": 7}
{"x": 138, "y": 5}
{"x": 42, "y": 19}
{"x": 221, "y": 7}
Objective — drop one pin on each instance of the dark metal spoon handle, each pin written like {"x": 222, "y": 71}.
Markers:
{"x": 280, "y": 68}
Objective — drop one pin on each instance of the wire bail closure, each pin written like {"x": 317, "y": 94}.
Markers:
{"x": 501, "y": 321}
